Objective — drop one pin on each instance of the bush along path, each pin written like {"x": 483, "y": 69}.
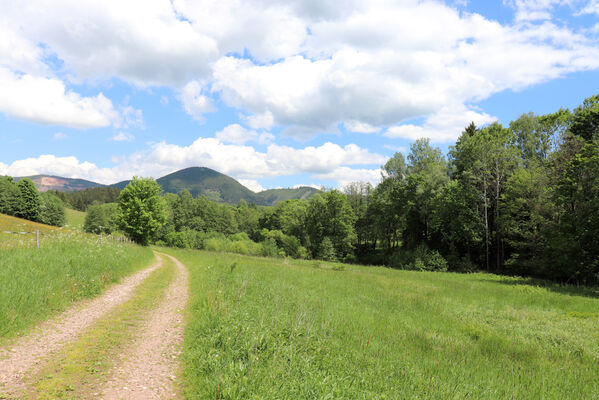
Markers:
{"x": 24, "y": 356}
{"x": 148, "y": 367}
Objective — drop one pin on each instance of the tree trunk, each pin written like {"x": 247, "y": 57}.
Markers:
{"x": 486, "y": 225}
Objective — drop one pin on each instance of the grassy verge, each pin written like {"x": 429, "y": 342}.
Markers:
{"x": 80, "y": 368}
{"x": 267, "y": 328}
{"x": 36, "y": 284}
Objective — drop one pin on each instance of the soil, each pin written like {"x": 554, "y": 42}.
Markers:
{"x": 23, "y": 356}
{"x": 148, "y": 367}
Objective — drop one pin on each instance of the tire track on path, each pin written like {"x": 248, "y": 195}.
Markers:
{"x": 23, "y": 356}
{"x": 148, "y": 367}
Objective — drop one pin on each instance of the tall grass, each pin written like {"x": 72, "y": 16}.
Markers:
{"x": 268, "y": 328}
{"x": 35, "y": 284}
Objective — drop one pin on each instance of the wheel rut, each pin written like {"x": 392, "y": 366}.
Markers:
{"x": 148, "y": 366}
{"x": 24, "y": 356}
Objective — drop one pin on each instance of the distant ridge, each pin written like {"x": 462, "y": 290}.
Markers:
{"x": 51, "y": 182}
{"x": 197, "y": 180}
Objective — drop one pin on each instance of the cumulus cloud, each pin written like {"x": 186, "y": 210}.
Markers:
{"x": 444, "y": 126}
{"x": 382, "y": 65}
{"x": 306, "y": 66}
{"x": 122, "y": 137}
{"x": 251, "y": 184}
{"x": 530, "y": 10}
{"x": 195, "y": 101}
{"x": 47, "y": 101}
{"x": 59, "y": 136}
{"x": 145, "y": 42}
{"x": 68, "y": 167}
{"x": 591, "y": 8}
{"x": 344, "y": 176}
{"x": 240, "y": 161}
{"x": 237, "y": 134}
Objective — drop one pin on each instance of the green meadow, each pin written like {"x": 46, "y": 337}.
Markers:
{"x": 36, "y": 284}
{"x": 280, "y": 329}
{"x": 75, "y": 219}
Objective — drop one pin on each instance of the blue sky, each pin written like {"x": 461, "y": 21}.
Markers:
{"x": 275, "y": 93}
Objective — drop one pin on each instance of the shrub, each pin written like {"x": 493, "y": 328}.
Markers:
{"x": 420, "y": 259}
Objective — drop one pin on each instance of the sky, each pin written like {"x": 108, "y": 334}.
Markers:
{"x": 275, "y": 93}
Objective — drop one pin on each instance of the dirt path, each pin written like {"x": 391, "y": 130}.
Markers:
{"x": 24, "y": 355}
{"x": 148, "y": 366}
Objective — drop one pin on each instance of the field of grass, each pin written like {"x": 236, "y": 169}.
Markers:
{"x": 280, "y": 329}
{"x": 75, "y": 219}
{"x": 35, "y": 284}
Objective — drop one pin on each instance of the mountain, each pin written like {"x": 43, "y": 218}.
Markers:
{"x": 197, "y": 180}
{"x": 207, "y": 182}
{"x": 49, "y": 182}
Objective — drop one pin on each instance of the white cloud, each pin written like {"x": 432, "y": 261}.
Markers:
{"x": 591, "y": 8}
{"x": 344, "y": 176}
{"x": 251, "y": 184}
{"x": 386, "y": 63}
{"x": 531, "y": 10}
{"x": 237, "y": 134}
{"x": 259, "y": 121}
{"x": 59, "y": 136}
{"x": 360, "y": 127}
{"x": 19, "y": 53}
{"x": 68, "y": 167}
{"x": 195, "y": 102}
{"x": 47, "y": 101}
{"x": 444, "y": 126}
{"x": 314, "y": 65}
{"x": 401, "y": 149}
{"x": 145, "y": 42}
{"x": 329, "y": 161}
{"x": 122, "y": 137}
{"x": 130, "y": 118}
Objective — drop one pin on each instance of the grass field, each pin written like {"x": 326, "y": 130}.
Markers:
{"x": 35, "y": 284}
{"x": 75, "y": 219}
{"x": 278, "y": 329}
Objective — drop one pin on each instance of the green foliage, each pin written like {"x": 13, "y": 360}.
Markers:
{"x": 101, "y": 218}
{"x": 329, "y": 215}
{"x": 420, "y": 258}
{"x": 28, "y": 204}
{"x": 142, "y": 211}
{"x": 52, "y": 211}
{"x": 585, "y": 120}
{"x": 326, "y": 251}
{"x": 82, "y": 199}
{"x": 9, "y": 196}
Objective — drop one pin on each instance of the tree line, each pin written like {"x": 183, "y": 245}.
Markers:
{"x": 21, "y": 199}
{"x": 521, "y": 199}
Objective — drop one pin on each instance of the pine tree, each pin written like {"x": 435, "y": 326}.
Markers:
{"x": 28, "y": 205}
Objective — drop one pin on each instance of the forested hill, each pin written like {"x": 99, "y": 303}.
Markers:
{"x": 49, "y": 182}
{"x": 207, "y": 182}
{"x": 197, "y": 180}
{"x": 202, "y": 181}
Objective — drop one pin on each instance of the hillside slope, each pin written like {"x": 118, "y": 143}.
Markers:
{"x": 199, "y": 181}
{"x": 50, "y": 182}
